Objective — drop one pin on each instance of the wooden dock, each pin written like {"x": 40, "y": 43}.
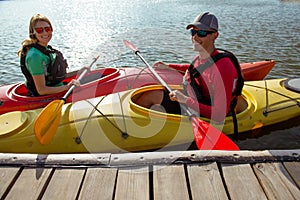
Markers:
{"x": 156, "y": 175}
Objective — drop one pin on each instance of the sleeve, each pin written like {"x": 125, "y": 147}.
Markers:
{"x": 35, "y": 64}
{"x": 180, "y": 67}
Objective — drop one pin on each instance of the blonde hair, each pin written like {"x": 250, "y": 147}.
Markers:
{"x": 32, "y": 37}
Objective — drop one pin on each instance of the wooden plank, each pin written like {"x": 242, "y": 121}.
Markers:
{"x": 150, "y": 158}
{"x": 241, "y": 182}
{"x": 276, "y": 181}
{"x": 294, "y": 170}
{"x": 7, "y": 175}
{"x": 52, "y": 160}
{"x": 64, "y": 184}
{"x": 205, "y": 182}
{"x": 30, "y": 183}
{"x": 169, "y": 182}
{"x": 171, "y": 157}
{"x": 99, "y": 183}
{"x": 133, "y": 183}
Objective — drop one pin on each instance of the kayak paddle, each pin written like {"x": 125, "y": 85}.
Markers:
{"x": 47, "y": 122}
{"x": 207, "y": 137}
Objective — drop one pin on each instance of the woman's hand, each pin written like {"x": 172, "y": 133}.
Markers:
{"x": 73, "y": 82}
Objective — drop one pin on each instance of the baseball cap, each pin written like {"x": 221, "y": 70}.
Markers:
{"x": 205, "y": 21}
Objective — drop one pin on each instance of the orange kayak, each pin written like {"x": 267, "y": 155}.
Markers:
{"x": 252, "y": 71}
{"x": 103, "y": 81}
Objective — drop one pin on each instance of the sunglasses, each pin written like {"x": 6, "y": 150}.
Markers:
{"x": 201, "y": 33}
{"x": 40, "y": 30}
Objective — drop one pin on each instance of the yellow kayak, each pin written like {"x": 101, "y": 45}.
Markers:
{"x": 114, "y": 123}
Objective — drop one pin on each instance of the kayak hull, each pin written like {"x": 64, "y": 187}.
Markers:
{"x": 105, "y": 81}
{"x": 114, "y": 123}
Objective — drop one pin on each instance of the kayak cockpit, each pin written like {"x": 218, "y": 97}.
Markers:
{"x": 20, "y": 93}
{"x": 242, "y": 105}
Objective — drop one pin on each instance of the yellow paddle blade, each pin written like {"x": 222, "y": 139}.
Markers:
{"x": 47, "y": 122}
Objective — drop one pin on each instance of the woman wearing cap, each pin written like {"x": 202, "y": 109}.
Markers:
{"x": 35, "y": 63}
{"x": 215, "y": 85}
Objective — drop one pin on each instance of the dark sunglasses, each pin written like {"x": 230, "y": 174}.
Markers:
{"x": 40, "y": 30}
{"x": 201, "y": 33}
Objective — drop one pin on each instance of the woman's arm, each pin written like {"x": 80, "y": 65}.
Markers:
{"x": 42, "y": 89}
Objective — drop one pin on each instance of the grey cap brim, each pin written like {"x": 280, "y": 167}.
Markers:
{"x": 199, "y": 26}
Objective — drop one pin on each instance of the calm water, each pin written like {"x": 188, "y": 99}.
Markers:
{"x": 253, "y": 30}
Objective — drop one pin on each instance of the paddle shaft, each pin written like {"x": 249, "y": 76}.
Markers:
{"x": 78, "y": 79}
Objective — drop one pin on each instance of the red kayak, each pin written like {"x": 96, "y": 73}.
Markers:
{"x": 105, "y": 81}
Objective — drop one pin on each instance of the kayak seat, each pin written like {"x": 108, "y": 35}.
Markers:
{"x": 21, "y": 90}
{"x": 91, "y": 77}
{"x": 241, "y": 105}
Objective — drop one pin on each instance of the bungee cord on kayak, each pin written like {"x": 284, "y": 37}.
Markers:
{"x": 124, "y": 134}
{"x": 267, "y": 109}
{"x": 78, "y": 139}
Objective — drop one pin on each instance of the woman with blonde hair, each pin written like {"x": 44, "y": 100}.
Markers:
{"x": 43, "y": 67}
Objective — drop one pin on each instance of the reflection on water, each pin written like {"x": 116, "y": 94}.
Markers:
{"x": 285, "y": 135}
{"x": 253, "y": 30}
